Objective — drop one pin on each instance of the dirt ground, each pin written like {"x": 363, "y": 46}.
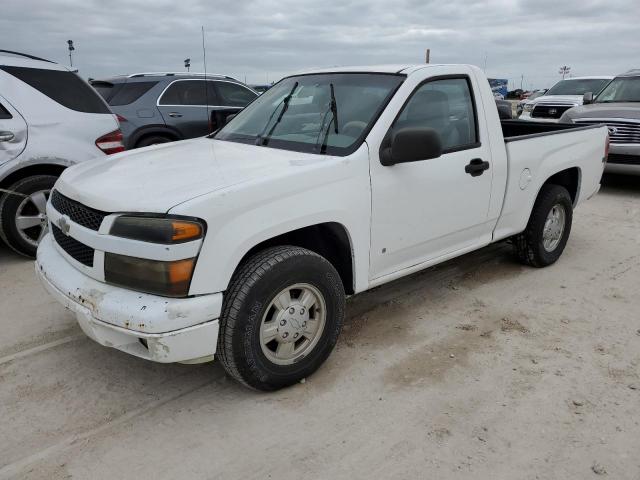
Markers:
{"x": 476, "y": 369}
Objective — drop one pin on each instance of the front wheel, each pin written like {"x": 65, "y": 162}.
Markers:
{"x": 547, "y": 232}
{"x": 281, "y": 317}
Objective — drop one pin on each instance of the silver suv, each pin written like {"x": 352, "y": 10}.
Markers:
{"x": 163, "y": 107}
{"x": 617, "y": 106}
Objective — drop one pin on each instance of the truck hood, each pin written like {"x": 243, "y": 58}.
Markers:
{"x": 621, "y": 110}
{"x": 156, "y": 178}
{"x": 558, "y": 100}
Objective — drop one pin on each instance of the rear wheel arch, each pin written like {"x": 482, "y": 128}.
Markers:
{"x": 153, "y": 131}
{"x": 569, "y": 178}
{"x": 29, "y": 171}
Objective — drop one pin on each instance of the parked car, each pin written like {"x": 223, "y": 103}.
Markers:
{"x": 49, "y": 119}
{"x": 531, "y": 96}
{"x": 167, "y": 106}
{"x": 261, "y": 88}
{"x": 617, "y": 106}
{"x": 561, "y": 97}
{"x": 244, "y": 244}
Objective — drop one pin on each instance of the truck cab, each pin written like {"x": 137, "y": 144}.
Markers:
{"x": 330, "y": 183}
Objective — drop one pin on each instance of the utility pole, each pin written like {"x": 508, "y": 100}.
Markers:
{"x": 521, "y": 80}
{"x": 427, "y": 56}
{"x": 485, "y": 62}
{"x": 71, "y": 49}
{"x": 187, "y": 63}
{"x": 564, "y": 70}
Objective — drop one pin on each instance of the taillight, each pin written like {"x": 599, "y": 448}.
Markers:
{"x": 606, "y": 149}
{"x": 111, "y": 142}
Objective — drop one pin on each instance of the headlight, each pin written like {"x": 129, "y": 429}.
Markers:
{"x": 528, "y": 107}
{"x": 157, "y": 230}
{"x": 169, "y": 279}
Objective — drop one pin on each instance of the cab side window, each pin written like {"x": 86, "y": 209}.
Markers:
{"x": 446, "y": 106}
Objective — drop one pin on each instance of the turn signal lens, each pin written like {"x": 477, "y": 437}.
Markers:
{"x": 157, "y": 230}
{"x": 183, "y": 231}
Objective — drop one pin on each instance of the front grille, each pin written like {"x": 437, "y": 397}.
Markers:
{"x": 623, "y": 159}
{"x": 80, "y": 214}
{"x": 549, "y": 111}
{"x": 73, "y": 247}
{"x": 620, "y": 131}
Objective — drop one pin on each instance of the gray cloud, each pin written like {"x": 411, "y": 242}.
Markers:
{"x": 265, "y": 39}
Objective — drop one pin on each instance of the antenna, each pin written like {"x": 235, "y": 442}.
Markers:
{"x": 206, "y": 82}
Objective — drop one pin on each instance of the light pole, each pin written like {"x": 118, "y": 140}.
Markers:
{"x": 71, "y": 49}
{"x": 187, "y": 63}
{"x": 564, "y": 70}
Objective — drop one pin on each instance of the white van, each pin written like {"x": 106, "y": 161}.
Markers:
{"x": 49, "y": 119}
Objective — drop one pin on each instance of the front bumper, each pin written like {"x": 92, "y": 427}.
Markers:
{"x": 149, "y": 326}
{"x": 624, "y": 158}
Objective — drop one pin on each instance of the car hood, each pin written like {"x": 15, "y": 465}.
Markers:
{"x": 156, "y": 178}
{"x": 621, "y": 110}
{"x": 558, "y": 100}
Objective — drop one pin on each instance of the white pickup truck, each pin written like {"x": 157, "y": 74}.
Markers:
{"x": 244, "y": 244}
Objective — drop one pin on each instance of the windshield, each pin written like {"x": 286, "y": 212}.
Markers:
{"x": 578, "y": 86}
{"x": 323, "y": 113}
{"x": 621, "y": 89}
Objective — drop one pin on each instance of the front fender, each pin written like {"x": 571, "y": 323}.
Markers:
{"x": 245, "y": 215}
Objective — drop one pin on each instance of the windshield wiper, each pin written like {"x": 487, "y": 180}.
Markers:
{"x": 333, "y": 109}
{"x": 261, "y": 139}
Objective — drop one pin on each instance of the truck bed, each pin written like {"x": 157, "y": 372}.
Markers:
{"x": 514, "y": 130}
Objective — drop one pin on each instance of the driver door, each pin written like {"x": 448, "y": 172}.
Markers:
{"x": 427, "y": 209}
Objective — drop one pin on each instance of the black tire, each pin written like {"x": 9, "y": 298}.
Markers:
{"x": 9, "y": 206}
{"x": 529, "y": 246}
{"x": 254, "y": 285}
{"x": 153, "y": 140}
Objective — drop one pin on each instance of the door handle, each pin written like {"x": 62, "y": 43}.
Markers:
{"x": 175, "y": 114}
{"x": 6, "y": 136}
{"x": 476, "y": 167}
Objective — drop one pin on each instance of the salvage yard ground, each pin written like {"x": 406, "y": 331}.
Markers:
{"x": 479, "y": 368}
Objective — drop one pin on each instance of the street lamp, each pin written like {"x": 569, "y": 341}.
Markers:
{"x": 71, "y": 49}
{"x": 187, "y": 63}
{"x": 564, "y": 70}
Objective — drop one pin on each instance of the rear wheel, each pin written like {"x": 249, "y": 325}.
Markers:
{"x": 23, "y": 216}
{"x": 547, "y": 232}
{"x": 281, "y": 317}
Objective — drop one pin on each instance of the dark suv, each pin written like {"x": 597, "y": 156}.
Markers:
{"x": 163, "y": 107}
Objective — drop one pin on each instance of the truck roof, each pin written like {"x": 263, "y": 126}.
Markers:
{"x": 393, "y": 68}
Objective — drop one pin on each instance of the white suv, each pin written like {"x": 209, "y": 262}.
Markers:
{"x": 49, "y": 119}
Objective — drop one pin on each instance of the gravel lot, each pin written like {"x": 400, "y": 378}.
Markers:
{"x": 478, "y": 368}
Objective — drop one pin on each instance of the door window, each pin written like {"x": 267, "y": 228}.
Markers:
{"x": 234, "y": 95}
{"x": 446, "y": 106}
{"x": 189, "y": 92}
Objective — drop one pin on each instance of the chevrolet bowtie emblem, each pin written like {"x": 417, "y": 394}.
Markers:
{"x": 63, "y": 224}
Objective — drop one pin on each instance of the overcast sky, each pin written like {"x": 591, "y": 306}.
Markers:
{"x": 264, "y": 40}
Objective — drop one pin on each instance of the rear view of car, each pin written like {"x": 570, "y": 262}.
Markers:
{"x": 561, "y": 97}
{"x": 161, "y": 107}
{"x": 49, "y": 119}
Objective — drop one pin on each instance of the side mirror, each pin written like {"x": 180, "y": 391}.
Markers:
{"x": 411, "y": 144}
{"x": 587, "y": 98}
